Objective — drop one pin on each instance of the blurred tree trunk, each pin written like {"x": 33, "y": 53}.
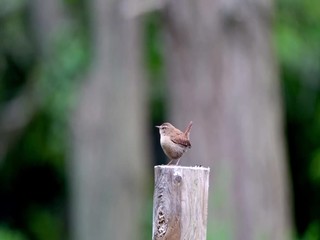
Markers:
{"x": 222, "y": 75}
{"x": 47, "y": 16}
{"x": 110, "y": 145}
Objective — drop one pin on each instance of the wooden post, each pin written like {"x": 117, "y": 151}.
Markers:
{"x": 180, "y": 203}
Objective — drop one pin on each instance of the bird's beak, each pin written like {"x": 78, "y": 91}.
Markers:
{"x": 157, "y": 126}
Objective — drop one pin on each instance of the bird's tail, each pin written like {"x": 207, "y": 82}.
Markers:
{"x": 187, "y": 132}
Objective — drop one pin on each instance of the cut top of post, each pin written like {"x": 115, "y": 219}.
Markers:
{"x": 183, "y": 167}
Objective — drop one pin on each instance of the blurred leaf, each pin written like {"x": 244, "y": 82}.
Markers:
{"x": 9, "y": 234}
{"x": 313, "y": 232}
{"x": 45, "y": 225}
{"x": 290, "y": 46}
{"x": 315, "y": 167}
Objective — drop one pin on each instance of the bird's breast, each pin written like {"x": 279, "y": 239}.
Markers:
{"x": 171, "y": 149}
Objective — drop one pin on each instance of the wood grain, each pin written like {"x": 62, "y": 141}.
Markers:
{"x": 180, "y": 203}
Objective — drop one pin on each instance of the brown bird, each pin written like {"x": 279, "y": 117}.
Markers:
{"x": 174, "y": 142}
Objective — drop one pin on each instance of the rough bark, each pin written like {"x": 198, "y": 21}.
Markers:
{"x": 110, "y": 145}
{"x": 222, "y": 75}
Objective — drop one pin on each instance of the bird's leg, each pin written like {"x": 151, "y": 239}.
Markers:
{"x": 174, "y": 162}
{"x": 170, "y": 162}
{"x": 178, "y": 162}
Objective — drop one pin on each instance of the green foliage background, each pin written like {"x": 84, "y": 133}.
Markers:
{"x": 33, "y": 186}
{"x": 297, "y": 37}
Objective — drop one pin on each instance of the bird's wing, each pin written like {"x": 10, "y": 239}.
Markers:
{"x": 181, "y": 140}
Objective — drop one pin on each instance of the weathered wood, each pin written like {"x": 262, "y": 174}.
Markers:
{"x": 180, "y": 203}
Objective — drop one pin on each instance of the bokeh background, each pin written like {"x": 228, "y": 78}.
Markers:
{"x": 83, "y": 83}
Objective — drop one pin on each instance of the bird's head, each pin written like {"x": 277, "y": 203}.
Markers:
{"x": 165, "y": 128}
